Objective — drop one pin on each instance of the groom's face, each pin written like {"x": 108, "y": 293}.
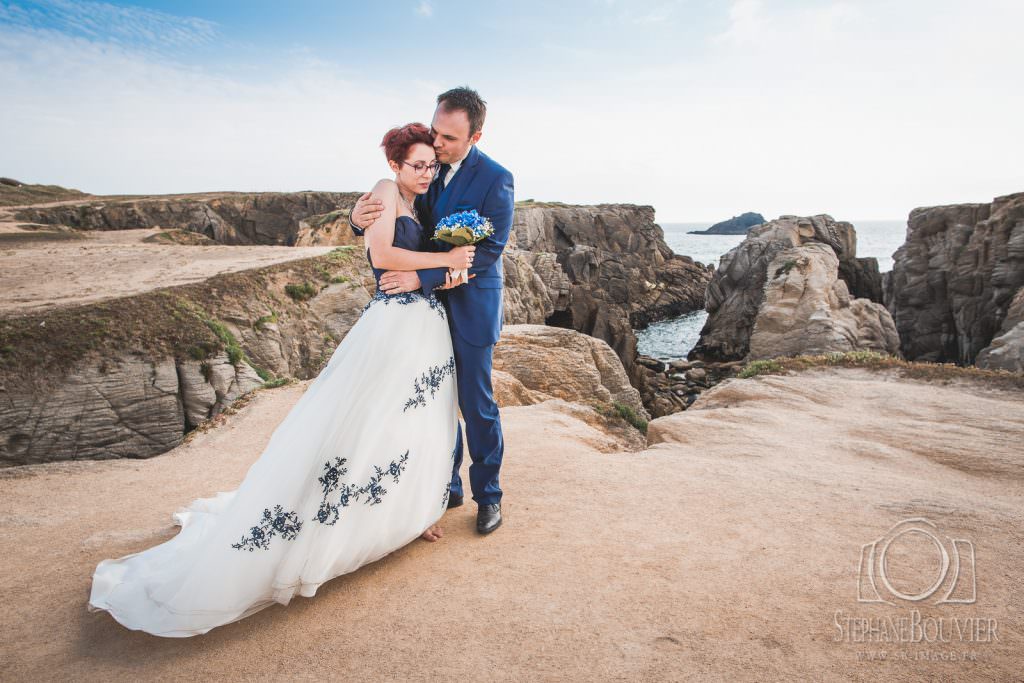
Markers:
{"x": 451, "y": 134}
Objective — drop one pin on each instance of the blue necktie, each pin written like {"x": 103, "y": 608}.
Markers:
{"x": 437, "y": 186}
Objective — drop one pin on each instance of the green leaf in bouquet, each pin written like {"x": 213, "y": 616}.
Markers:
{"x": 451, "y": 239}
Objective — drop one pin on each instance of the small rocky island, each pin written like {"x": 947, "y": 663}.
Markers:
{"x": 737, "y": 225}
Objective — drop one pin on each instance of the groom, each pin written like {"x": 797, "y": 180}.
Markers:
{"x": 468, "y": 179}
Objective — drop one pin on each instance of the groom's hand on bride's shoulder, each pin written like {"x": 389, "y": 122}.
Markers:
{"x": 398, "y": 281}
{"x": 367, "y": 209}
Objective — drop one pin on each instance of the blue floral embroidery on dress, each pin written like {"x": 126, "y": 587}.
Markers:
{"x": 437, "y": 305}
{"x": 373, "y": 489}
{"x": 278, "y": 522}
{"x": 448, "y": 486}
{"x": 444, "y": 498}
{"x": 406, "y": 298}
{"x": 429, "y": 381}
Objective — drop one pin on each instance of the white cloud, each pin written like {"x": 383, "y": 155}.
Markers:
{"x": 750, "y": 23}
{"x": 745, "y": 23}
{"x": 425, "y": 8}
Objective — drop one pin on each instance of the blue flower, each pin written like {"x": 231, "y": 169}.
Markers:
{"x": 478, "y": 226}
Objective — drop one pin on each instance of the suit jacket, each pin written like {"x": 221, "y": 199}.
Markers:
{"x": 476, "y": 307}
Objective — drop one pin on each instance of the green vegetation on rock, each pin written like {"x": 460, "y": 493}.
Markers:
{"x": 630, "y": 416}
{"x": 760, "y": 367}
{"x": 261, "y": 322}
{"x": 784, "y": 268}
{"x": 301, "y": 292}
{"x": 620, "y": 411}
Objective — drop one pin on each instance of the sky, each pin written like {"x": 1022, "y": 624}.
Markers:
{"x": 703, "y": 109}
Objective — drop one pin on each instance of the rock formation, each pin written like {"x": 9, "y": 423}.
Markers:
{"x": 955, "y": 276}
{"x": 806, "y": 309}
{"x": 607, "y": 270}
{"x": 1006, "y": 352}
{"x": 670, "y": 387}
{"x": 737, "y": 225}
{"x": 565, "y": 364}
{"x": 538, "y": 363}
{"x": 329, "y": 229}
{"x": 738, "y": 287}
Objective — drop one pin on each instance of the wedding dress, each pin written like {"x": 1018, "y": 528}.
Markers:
{"x": 359, "y": 467}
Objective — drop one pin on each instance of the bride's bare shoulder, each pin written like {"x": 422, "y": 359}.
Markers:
{"x": 386, "y": 187}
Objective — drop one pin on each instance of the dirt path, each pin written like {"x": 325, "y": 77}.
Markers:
{"x": 725, "y": 552}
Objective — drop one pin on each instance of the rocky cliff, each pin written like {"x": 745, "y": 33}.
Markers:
{"x": 227, "y": 217}
{"x": 954, "y": 278}
{"x": 805, "y": 269}
{"x": 128, "y": 377}
{"x": 606, "y": 270}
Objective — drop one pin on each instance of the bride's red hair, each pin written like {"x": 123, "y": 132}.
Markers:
{"x": 397, "y": 141}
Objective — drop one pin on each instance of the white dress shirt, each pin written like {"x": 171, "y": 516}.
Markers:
{"x": 455, "y": 167}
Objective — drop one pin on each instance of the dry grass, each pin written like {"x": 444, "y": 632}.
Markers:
{"x": 940, "y": 372}
{"x": 16, "y": 195}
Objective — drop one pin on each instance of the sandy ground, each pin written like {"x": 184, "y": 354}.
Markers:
{"x": 724, "y": 554}
{"x": 36, "y": 276}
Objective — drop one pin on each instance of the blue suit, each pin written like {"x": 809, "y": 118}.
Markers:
{"x": 475, "y": 310}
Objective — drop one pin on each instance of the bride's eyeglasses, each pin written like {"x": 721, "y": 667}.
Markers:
{"x": 420, "y": 167}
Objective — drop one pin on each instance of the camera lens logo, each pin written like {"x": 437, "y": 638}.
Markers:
{"x": 914, "y": 562}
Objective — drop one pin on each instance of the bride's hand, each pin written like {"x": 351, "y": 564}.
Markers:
{"x": 461, "y": 258}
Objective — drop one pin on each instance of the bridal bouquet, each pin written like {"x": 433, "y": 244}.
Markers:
{"x": 462, "y": 228}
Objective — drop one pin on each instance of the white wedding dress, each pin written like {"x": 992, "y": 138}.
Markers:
{"x": 359, "y": 467}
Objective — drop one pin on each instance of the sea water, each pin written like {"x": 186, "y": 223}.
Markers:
{"x": 673, "y": 338}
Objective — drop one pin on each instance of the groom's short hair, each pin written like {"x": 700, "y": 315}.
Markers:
{"x": 468, "y": 100}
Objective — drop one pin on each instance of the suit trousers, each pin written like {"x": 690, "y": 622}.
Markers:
{"x": 483, "y": 423}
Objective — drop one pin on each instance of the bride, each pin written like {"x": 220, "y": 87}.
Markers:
{"x": 360, "y": 467}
